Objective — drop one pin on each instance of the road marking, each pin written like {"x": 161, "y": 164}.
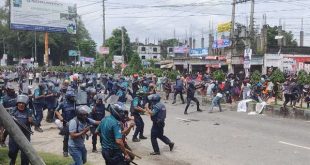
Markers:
{"x": 186, "y": 120}
{"x": 294, "y": 145}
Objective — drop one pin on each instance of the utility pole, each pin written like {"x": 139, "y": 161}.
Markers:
{"x": 230, "y": 68}
{"x": 35, "y": 46}
{"x": 123, "y": 45}
{"x": 103, "y": 21}
{"x": 3, "y": 46}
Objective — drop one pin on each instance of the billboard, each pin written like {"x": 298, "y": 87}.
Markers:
{"x": 104, "y": 50}
{"x": 182, "y": 49}
{"x": 221, "y": 43}
{"x": 43, "y": 15}
{"x": 224, "y": 27}
{"x": 87, "y": 59}
{"x": 198, "y": 52}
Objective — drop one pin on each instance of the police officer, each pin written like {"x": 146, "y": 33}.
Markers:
{"x": 98, "y": 113}
{"x": 51, "y": 101}
{"x": 158, "y": 116}
{"x": 23, "y": 116}
{"x": 179, "y": 86}
{"x": 78, "y": 128}
{"x": 136, "y": 109}
{"x": 68, "y": 112}
{"x": 113, "y": 148}
{"x": 91, "y": 92}
{"x": 191, "y": 96}
{"x": 9, "y": 102}
{"x": 38, "y": 104}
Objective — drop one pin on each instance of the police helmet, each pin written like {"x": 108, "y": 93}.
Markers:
{"x": 22, "y": 99}
{"x": 83, "y": 110}
{"x": 98, "y": 97}
{"x": 117, "y": 111}
{"x": 10, "y": 87}
{"x": 92, "y": 91}
{"x": 154, "y": 98}
{"x": 70, "y": 94}
{"x": 83, "y": 86}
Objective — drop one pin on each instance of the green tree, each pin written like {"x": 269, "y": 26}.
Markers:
{"x": 303, "y": 77}
{"x": 255, "y": 77}
{"x": 165, "y": 44}
{"x": 219, "y": 75}
{"x": 135, "y": 62}
{"x": 272, "y": 32}
{"x": 115, "y": 44}
{"x": 277, "y": 76}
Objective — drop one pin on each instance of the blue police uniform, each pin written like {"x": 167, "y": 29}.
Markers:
{"x": 68, "y": 113}
{"x": 158, "y": 117}
{"x": 22, "y": 117}
{"x": 135, "y": 103}
{"x": 38, "y": 105}
{"x": 110, "y": 130}
{"x": 178, "y": 90}
{"x": 9, "y": 101}
{"x": 51, "y": 103}
{"x": 97, "y": 114}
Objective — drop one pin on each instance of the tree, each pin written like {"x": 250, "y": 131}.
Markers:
{"x": 135, "y": 62}
{"x": 303, "y": 77}
{"x": 165, "y": 44}
{"x": 115, "y": 44}
{"x": 272, "y": 32}
{"x": 255, "y": 77}
{"x": 219, "y": 75}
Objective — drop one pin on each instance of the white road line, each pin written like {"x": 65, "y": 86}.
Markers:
{"x": 186, "y": 120}
{"x": 294, "y": 145}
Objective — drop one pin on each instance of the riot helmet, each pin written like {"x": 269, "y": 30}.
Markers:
{"x": 117, "y": 111}
{"x": 154, "y": 98}
{"x": 82, "y": 113}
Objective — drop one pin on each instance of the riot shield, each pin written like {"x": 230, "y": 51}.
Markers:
{"x": 81, "y": 98}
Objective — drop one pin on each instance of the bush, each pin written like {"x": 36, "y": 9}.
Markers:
{"x": 219, "y": 75}
{"x": 255, "y": 77}
{"x": 277, "y": 76}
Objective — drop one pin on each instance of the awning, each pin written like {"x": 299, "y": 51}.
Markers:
{"x": 168, "y": 66}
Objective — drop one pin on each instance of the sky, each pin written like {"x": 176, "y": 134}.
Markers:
{"x": 164, "y": 19}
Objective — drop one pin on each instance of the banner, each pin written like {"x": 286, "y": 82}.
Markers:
{"x": 118, "y": 59}
{"x": 43, "y": 15}
{"x": 181, "y": 50}
{"x": 104, "y": 50}
{"x": 224, "y": 27}
{"x": 87, "y": 59}
{"x": 198, "y": 52}
{"x": 221, "y": 43}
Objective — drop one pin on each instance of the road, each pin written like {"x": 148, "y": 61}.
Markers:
{"x": 226, "y": 138}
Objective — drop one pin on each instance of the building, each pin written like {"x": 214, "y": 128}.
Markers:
{"x": 149, "y": 52}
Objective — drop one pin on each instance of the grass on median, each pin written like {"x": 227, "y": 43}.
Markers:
{"x": 49, "y": 159}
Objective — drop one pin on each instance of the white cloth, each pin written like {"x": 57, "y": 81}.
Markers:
{"x": 242, "y": 105}
{"x": 30, "y": 76}
{"x": 259, "y": 107}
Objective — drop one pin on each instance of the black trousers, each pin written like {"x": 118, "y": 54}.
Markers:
{"x": 176, "y": 93}
{"x": 157, "y": 131}
{"x": 189, "y": 99}
{"x": 139, "y": 126}
{"x": 113, "y": 157}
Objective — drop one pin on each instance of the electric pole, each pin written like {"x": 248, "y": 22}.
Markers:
{"x": 103, "y": 21}
{"x": 230, "y": 68}
{"x": 123, "y": 45}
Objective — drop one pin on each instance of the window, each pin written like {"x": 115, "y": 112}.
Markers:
{"x": 154, "y": 49}
{"x": 170, "y": 50}
{"x": 143, "y": 57}
{"x": 155, "y": 57}
{"x": 143, "y": 49}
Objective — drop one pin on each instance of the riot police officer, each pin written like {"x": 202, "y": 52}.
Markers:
{"x": 9, "y": 102}
{"x": 68, "y": 112}
{"x": 158, "y": 116}
{"x": 191, "y": 96}
{"x": 98, "y": 113}
{"x": 113, "y": 148}
{"x": 179, "y": 86}
{"x": 136, "y": 109}
{"x": 39, "y": 104}
{"x": 23, "y": 116}
{"x": 51, "y": 101}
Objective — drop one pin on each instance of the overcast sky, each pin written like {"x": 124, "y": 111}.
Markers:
{"x": 157, "y": 19}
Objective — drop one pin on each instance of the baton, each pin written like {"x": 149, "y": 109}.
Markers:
{"x": 130, "y": 152}
{"x": 22, "y": 125}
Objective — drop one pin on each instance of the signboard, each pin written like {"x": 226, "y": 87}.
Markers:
{"x": 104, "y": 50}
{"x": 247, "y": 58}
{"x": 118, "y": 59}
{"x": 224, "y": 27}
{"x": 181, "y": 50}
{"x": 87, "y": 59}
{"x": 74, "y": 53}
{"x": 43, "y": 15}
{"x": 198, "y": 52}
{"x": 221, "y": 43}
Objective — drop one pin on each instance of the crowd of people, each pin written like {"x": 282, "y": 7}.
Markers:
{"x": 77, "y": 103}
